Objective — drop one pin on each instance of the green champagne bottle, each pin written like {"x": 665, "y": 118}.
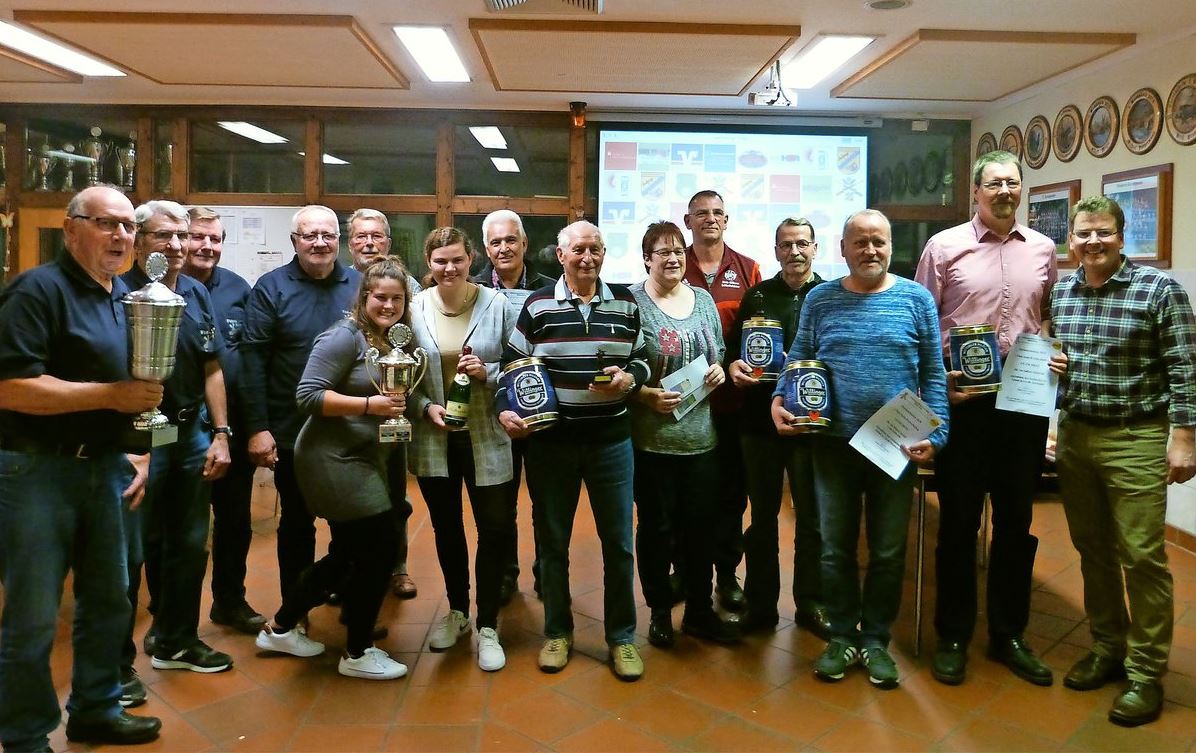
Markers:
{"x": 456, "y": 409}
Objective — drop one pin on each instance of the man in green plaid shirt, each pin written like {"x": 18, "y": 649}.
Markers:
{"x": 1125, "y": 432}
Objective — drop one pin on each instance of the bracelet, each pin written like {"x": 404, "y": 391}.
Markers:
{"x": 366, "y": 412}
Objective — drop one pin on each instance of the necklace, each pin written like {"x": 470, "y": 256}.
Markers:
{"x": 470, "y": 298}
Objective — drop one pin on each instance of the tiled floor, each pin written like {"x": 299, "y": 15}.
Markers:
{"x": 760, "y": 696}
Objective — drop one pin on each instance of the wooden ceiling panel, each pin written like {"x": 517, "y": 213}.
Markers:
{"x": 201, "y": 49}
{"x": 628, "y": 57}
{"x": 984, "y": 65}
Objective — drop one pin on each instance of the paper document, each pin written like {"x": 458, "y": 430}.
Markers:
{"x": 901, "y": 422}
{"x": 690, "y": 381}
{"x": 1027, "y": 383}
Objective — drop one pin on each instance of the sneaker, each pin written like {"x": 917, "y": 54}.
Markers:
{"x": 240, "y": 617}
{"x": 626, "y": 661}
{"x": 491, "y": 657}
{"x": 198, "y": 657}
{"x": 444, "y": 636}
{"x": 835, "y": 660}
{"x": 294, "y": 642}
{"x": 373, "y": 664}
{"x": 882, "y": 670}
{"x": 554, "y": 654}
{"x": 132, "y": 692}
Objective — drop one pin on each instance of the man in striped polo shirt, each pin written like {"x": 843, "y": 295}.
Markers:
{"x": 588, "y": 335}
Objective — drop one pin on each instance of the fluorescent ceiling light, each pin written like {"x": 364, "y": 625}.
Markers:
{"x": 53, "y": 53}
{"x": 489, "y": 136}
{"x": 434, "y": 52}
{"x": 505, "y": 164}
{"x": 250, "y": 131}
{"x": 821, "y": 59}
{"x": 328, "y": 159}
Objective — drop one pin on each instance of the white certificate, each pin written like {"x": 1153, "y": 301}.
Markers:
{"x": 1027, "y": 383}
{"x": 901, "y": 422}
{"x": 690, "y": 381}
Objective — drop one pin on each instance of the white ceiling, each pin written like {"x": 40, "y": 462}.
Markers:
{"x": 219, "y": 63}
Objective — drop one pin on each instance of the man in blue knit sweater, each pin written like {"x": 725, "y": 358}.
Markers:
{"x": 582, "y": 328}
{"x": 877, "y": 334}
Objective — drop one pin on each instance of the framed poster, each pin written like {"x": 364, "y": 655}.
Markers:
{"x": 1038, "y": 142}
{"x": 1142, "y": 120}
{"x": 1050, "y": 207}
{"x": 1100, "y": 126}
{"x": 1065, "y": 136}
{"x": 1145, "y": 197}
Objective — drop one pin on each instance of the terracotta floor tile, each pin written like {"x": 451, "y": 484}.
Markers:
{"x": 723, "y": 686}
{"x": 185, "y": 691}
{"x": 453, "y": 667}
{"x": 247, "y": 714}
{"x": 337, "y": 738}
{"x": 852, "y": 692}
{"x": 599, "y": 688}
{"x": 920, "y": 715}
{"x": 793, "y": 714}
{"x": 735, "y": 734}
{"x": 275, "y": 739}
{"x": 443, "y": 705}
{"x": 671, "y": 715}
{"x": 1068, "y": 709}
{"x": 990, "y": 736}
{"x": 350, "y": 700}
{"x": 546, "y": 715}
{"x": 863, "y": 736}
{"x": 974, "y": 692}
{"x": 1101, "y": 736}
{"x": 433, "y": 738}
{"x": 498, "y": 738}
{"x": 611, "y": 735}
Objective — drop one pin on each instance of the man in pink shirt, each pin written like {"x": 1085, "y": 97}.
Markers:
{"x": 991, "y": 270}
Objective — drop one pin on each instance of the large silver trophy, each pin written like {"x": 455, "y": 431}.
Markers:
{"x": 94, "y": 150}
{"x": 154, "y": 313}
{"x": 398, "y": 374}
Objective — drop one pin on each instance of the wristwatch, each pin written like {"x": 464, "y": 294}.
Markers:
{"x": 225, "y": 430}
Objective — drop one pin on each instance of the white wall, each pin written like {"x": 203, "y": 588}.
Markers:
{"x": 1158, "y": 68}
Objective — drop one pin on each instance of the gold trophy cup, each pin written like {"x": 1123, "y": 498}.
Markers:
{"x": 398, "y": 374}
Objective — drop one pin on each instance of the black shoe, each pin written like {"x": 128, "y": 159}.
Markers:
{"x": 198, "y": 657}
{"x": 333, "y": 600}
{"x": 816, "y": 620}
{"x": 508, "y": 588}
{"x": 241, "y": 617}
{"x": 950, "y": 665}
{"x": 132, "y": 692}
{"x": 1140, "y": 703}
{"x": 149, "y": 644}
{"x": 751, "y": 621}
{"x": 1015, "y": 654}
{"x": 125, "y": 729}
{"x": 660, "y": 628}
{"x": 1093, "y": 671}
{"x": 730, "y": 595}
{"x": 708, "y": 626}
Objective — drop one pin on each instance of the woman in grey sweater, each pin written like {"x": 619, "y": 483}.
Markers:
{"x": 676, "y": 469}
{"x": 342, "y": 469}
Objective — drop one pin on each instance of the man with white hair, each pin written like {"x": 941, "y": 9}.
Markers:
{"x": 288, "y": 307}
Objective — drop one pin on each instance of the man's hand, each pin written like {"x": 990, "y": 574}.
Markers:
{"x": 920, "y": 452}
{"x": 513, "y": 424}
{"x": 135, "y": 395}
{"x": 136, "y": 491}
{"x": 1181, "y": 454}
{"x": 741, "y": 374}
{"x": 435, "y": 414}
{"x": 473, "y": 367}
{"x": 620, "y": 383}
{"x": 216, "y": 462}
{"x": 263, "y": 451}
{"x": 1058, "y": 364}
{"x": 783, "y": 420}
{"x": 954, "y": 396}
{"x": 658, "y": 399}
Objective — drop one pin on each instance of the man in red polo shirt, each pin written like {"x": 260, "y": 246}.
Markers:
{"x": 713, "y": 266}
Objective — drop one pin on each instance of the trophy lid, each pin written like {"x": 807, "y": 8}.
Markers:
{"x": 399, "y": 335}
{"x": 154, "y": 292}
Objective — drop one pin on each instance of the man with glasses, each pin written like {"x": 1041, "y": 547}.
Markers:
{"x": 232, "y": 495}
{"x": 369, "y": 241}
{"x": 571, "y": 326}
{"x": 713, "y": 266}
{"x": 169, "y": 532}
{"x": 288, "y": 307}
{"x": 768, "y": 456}
{"x": 1125, "y": 433}
{"x": 66, "y": 406}
{"x": 508, "y": 272}
{"x": 992, "y": 270}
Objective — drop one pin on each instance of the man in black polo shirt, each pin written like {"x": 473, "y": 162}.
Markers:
{"x": 288, "y": 307}
{"x": 66, "y": 401}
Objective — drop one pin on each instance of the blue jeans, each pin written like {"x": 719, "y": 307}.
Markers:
{"x": 556, "y": 466}
{"x": 60, "y": 513}
{"x": 847, "y": 485}
{"x": 174, "y": 527}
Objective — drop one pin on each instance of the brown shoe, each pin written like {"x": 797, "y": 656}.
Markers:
{"x": 403, "y": 587}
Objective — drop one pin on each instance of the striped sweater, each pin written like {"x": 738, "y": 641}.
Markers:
{"x": 551, "y": 327}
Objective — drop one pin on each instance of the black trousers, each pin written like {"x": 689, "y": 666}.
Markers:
{"x": 232, "y": 525}
{"x": 732, "y": 497}
{"x": 1000, "y": 453}
{"x": 296, "y": 526}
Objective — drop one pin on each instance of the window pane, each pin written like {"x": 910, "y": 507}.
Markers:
{"x": 407, "y": 233}
{"x": 163, "y": 166}
{"x": 391, "y": 158}
{"x": 542, "y": 155}
{"x": 226, "y": 162}
{"x": 69, "y": 155}
{"x": 541, "y": 241}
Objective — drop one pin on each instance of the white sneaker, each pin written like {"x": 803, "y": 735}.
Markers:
{"x": 374, "y": 664}
{"x": 491, "y": 657}
{"x": 454, "y": 625}
{"x": 294, "y": 642}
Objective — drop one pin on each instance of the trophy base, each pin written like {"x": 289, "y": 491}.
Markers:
{"x": 392, "y": 433}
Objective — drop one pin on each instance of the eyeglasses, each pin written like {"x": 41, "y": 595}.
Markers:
{"x": 367, "y": 237}
{"x": 669, "y": 253}
{"x": 995, "y": 185}
{"x": 313, "y": 237}
{"x": 165, "y": 236}
{"x": 790, "y": 245}
{"x": 209, "y": 237}
{"x": 108, "y": 224}
{"x": 1102, "y": 234}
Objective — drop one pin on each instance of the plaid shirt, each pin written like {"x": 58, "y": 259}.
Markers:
{"x": 1131, "y": 345}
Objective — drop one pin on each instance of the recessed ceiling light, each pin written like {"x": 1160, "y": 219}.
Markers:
{"x": 434, "y": 52}
{"x": 821, "y": 58}
{"x": 489, "y": 136}
{"x": 888, "y": 4}
{"x": 505, "y": 164}
{"x": 328, "y": 159}
{"x": 53, "y": 53}
{"x": 250, "y": 131}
